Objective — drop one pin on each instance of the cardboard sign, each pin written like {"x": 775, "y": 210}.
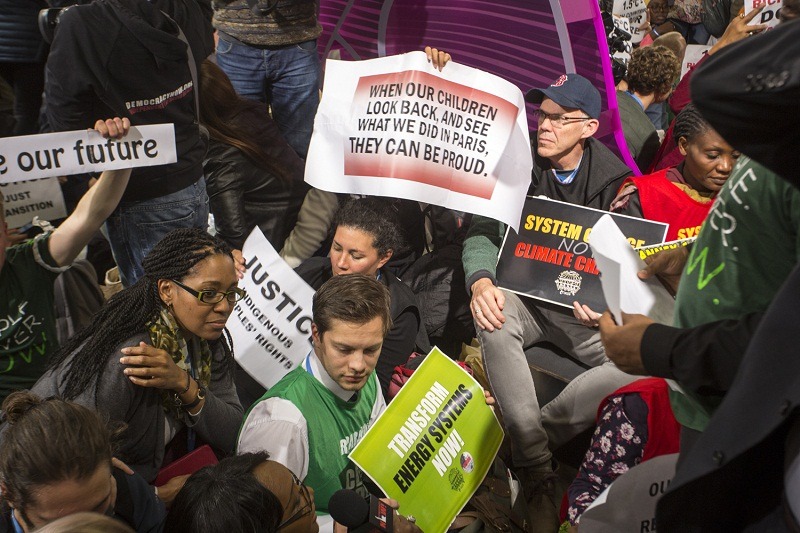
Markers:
{"x": 636, "y": 12}
{"x": 271, "y": 326}
{"x": 629, "y": 503}
{"x": 434, "y": 444}
{"x": 27, "y": 199}
{"x": 395, "y": 126}
{"x": 78, "y": 152}
{"x": 770, "y": 15}
{"x": 694, "y": 53}
{"x": 550, "y": 259}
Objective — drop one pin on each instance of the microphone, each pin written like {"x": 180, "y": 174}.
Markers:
{"x": 348, "y": 508}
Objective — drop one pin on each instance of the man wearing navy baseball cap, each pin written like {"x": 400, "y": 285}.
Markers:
{"x": 570, "y": 166}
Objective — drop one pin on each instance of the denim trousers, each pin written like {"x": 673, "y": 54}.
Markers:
{"x": 284, "y": 77}
{"x": 135, "y": 227}
{"x": 535, "y": 430}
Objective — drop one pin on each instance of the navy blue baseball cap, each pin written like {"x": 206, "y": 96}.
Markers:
{"x": 570, "y": 90}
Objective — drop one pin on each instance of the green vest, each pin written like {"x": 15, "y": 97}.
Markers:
{"x": 748, "y": 245}
{"x": 334, "y": 428}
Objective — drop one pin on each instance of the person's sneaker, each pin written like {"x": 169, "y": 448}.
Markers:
{"x": 539, "y": 488}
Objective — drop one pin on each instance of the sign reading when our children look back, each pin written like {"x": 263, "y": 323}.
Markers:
{"x": 76, "y": 152}
{"x": 396, "y": 126}
{"x": 550, "y": 259}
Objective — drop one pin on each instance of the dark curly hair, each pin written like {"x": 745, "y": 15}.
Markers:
{"x": 375, "y": 216}
{"x": 129, "y": 311}
{"x": 652, "y": 70}
{"x": 226, "y": 498}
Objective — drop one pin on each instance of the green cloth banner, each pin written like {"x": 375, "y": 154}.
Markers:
{"x": 433, "y": 445}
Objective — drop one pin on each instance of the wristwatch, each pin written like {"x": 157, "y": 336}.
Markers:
{"x": 201, "y": 395}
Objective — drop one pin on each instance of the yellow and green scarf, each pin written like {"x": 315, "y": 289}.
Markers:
{"x": 165, "y": 334}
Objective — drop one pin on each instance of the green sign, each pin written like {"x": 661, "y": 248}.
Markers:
{"x": 433, "y": 445}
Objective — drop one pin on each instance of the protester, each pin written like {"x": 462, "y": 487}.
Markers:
{"x": 571, "y": 166}
{"x": 669, "y": 155}
{"x": 651, "y": 73}
{"x": 41, "y": 483}
{"x": 333, "y": 394}
{"x": 681, "y": 196}
{"x": 366, "y": 236}
{"x": 128, "y": 58}
{"x": 154, "y": 357}
{"x": 253, "y": 176}
{"x": 227, "y": 498}
{"x": 28, "y": 270}
{"x": 634, "y": 424}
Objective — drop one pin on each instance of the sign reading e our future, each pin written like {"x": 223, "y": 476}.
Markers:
{"x": 550, "y": 259}
{"x": 76, "y": 152}
{"x": 437, "y": 437}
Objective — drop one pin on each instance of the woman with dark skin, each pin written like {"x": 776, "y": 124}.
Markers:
{"x": 155, "y": 358}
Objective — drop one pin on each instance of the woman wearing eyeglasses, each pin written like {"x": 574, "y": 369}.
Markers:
{"x": 155, "y": 358}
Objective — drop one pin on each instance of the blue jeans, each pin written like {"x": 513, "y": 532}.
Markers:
{"x": 284, "y": 77}
{"x": 135, "y": 227}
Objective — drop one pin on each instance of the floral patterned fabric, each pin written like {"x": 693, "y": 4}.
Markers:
{"x": 617, "y": 446}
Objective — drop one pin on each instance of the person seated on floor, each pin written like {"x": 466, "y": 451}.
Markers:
{"x": 246, "y": 501}
{"x": 56, "y": 460}
{"x": 365, "y": 237}
{"x": 28, "y": 270}
{"x": 253, "y": 177}
{"x": 634, "y": 424}
{"x": 681, "y": 196}
{"x": 155, "y": 358}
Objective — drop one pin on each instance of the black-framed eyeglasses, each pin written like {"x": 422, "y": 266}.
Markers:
{"x": 304, "y": 510}
{"x": 212, "y": 297}
{"x": 557, "y": 119}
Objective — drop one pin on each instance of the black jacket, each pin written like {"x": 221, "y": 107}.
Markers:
{"x": 20, "y": 40}
{"x": 407, "y": 331}
{"x": 244, "y": 195}
{"x": 732, "y": 478}
{"x": 733, "y": 475}
{"x": 124, "y": 58}
{"x": 599, "y": 177}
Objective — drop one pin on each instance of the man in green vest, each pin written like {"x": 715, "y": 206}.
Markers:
{"x": 313, "y": 417}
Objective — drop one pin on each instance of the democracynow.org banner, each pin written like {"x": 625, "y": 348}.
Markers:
{"x": 397, "y": 127}
{"x": 432, "y": 447}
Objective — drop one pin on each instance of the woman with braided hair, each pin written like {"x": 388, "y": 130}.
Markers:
{"x": 154, "y": 356}
{"x": 682, "y": 195}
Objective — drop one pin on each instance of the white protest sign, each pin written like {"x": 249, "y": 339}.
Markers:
{"x": 27, "y": 199}
{"x": 770, "y": 15}
{"x": 629, "y": 503}
{"x": 694, "y": 53}
{"x": 77, "y": 152}
{"x": 395, "y": 126}
{"x": 636, "y": 12}
{"x": 618, "y": 264}
{"x": 271, "y": 326}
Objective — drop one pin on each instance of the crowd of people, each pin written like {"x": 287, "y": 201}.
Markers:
{"x": 141, "y": 419}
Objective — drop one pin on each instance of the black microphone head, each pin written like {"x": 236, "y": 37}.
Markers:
{"x": 348, "y": 508}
